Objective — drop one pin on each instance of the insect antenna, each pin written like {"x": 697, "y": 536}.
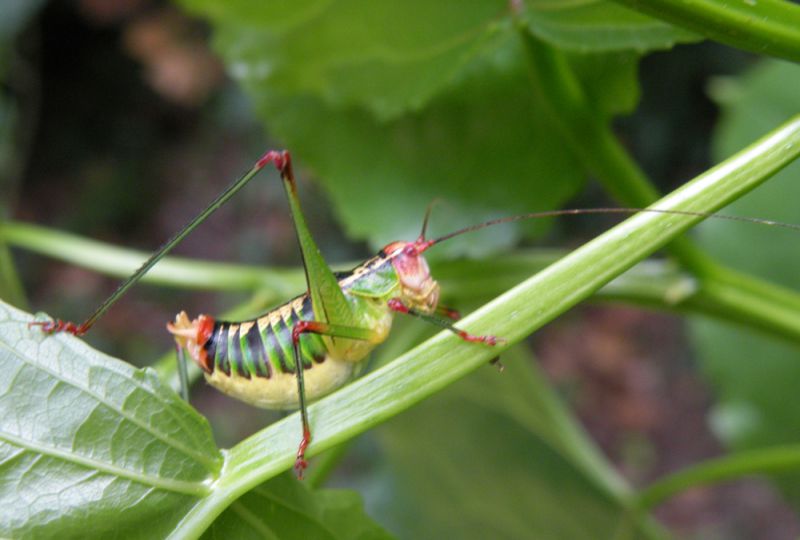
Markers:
{"x": 590, "y": 211}
{"x": 425, "y": 220}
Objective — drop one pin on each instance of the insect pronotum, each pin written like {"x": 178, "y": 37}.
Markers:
{"x": 318, "y": 341}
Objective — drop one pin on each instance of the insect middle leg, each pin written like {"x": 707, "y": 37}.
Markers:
{"x": 325, "y": 329}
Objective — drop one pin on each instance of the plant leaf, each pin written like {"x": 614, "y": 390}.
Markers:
{"x": 497, "y": 455}
{"x": 393, "y": 58}
{"x": 88, "y": 443}
{"x": 285, "y": 508}
{"x": 394, "y": 107}
{"x": 389, "y": 57}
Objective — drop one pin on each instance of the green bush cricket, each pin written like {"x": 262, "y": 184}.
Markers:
{"x": 318, "y": 341}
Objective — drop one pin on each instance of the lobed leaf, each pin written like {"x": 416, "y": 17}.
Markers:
{"x": 395, "y": 105}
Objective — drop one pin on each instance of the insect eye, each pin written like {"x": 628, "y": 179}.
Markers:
{"x": 410, "y": 250}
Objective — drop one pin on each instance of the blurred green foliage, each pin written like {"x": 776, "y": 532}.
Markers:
{"x": 752, "y": 374}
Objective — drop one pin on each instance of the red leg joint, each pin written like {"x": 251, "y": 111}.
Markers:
{"x": 57, "y": 325}
{"x": 300, "y": 463}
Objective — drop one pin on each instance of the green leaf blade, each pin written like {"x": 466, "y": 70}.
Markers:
{"x": 90, "y": 443}
{"x": 382, "y": 175}
{"x": 285, "y": 508}
{"x": 395, "y": 106}
{"x": 503, "y": 449}
{"x": 389, "y": 58}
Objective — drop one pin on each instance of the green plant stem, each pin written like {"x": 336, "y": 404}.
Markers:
{"x": 727, "y": 295}
{"x": 744, "y": 297}
{"x": 170, "y": 271}
{"x": 761, "y": 26}
{"x": 444, "y": 358}
{"x": 589, "y": 136}
{"x": 770, "y": 460}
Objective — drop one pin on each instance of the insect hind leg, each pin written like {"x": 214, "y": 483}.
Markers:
{"x": 325, "y": 329}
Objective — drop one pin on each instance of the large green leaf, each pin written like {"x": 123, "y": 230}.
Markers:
{"x": 387, "y": 56}
{"x": 395, "y": 105}
{"x": 498, "y": 456}
{"x": 755, "y": 377}
{"x": 285, "y": 508}
{"x": 471, "y": 147}
{"x": 88, "y": 443}
{"x": 391, "y": 57}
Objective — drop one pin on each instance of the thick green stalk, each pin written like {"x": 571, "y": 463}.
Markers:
{"x": 589, "y": 135}
{"x": 171, "y": 271}
{"x": 761, "y": 26}
{"x": 443, "y": 359}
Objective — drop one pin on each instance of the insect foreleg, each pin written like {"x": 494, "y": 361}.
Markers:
{"x": 325, "y": 329}
{"x": 450, "y": 313}
{"x": 395, "y": 304}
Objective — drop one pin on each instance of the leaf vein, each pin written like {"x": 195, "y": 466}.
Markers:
{"x": 195, "y": 489}
{"x": 178, "y": 445}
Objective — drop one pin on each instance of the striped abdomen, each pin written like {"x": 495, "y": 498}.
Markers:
{"x": 263, "y": 347}
{"x": 254, "y": 361}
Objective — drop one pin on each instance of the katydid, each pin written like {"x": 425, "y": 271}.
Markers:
{"x": 318, "y": 341}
